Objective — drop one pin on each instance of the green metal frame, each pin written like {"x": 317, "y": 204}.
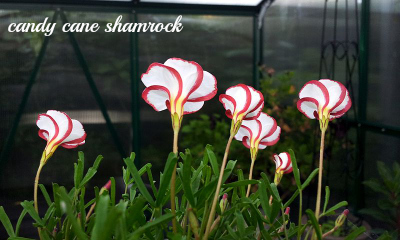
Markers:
{"x": 133, "y": 8}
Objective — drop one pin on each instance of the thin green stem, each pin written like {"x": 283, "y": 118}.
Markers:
{"x": 173, "y": 180}
{"x": 321, "y": 164}
{"x": 35, "y": 189}
{"x": 250, "y": 176}
{"x": 216, "y": 195}
{"x": 300, "y": 213}
{"x": 284, "y": 223}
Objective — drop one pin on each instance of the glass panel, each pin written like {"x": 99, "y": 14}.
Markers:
{"x": 384, "y": 59}
{"x": 213, "y": 2}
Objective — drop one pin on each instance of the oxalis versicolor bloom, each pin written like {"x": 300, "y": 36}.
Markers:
{"x": 324, "y": 100}
{"x": 283, "y": 164}
{"x": 241, "y": 102}
{"x": 58, "y": 129}
{"x": 178, "y": 85}
{"x": 258, "y": 133}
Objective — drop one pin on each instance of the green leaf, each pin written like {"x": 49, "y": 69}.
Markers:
{"x": 314, "y": 222}
{"x": 308, "y": 180}
{"x": 78, "y": 169}
{"x": 91, "y": 171}
{"x": 158, "y": 221}
{"x": 240, "y": 183}
{"x": 332, "y": 209}
{"x": 292, "y": 198}
{"x": 186, "y": 178}
{"x": 240, "y": 223}
{"x": 66, "y": 203}
{"x": 213, "y": 160}
{"x": 101, "y": 216}
{"x": 264, "y": 198}
{"x": 327, "y": 194}
{"x": 242, "y": 189}
{"x": 28, "y": 206}
{"x": 45, "y": 194}
{"x": 166, "y": 178}
{"x": 138, "y": 179}
{"x": 355, "y": 233}
{"x": 6, "y": 223}
{"x": 296, "y": 171}
{"x": 112, "y": 191}
{"x": 18, "y": 226}
{"x": 275, "y": 192}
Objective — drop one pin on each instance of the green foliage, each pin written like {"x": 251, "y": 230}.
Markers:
{"x": 143, "y": 214}
{"x": 387, "y": 190}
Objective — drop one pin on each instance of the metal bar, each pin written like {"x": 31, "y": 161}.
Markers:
{"x": 123, "y": 6}
{"x": 362, "y": 103}
{"x": 135, "y": 95}
{"x": 376, "y": 127}
{"x": 94, "y": 89}
{"x": 10, "y": 138}
{"x": 256, "y": 52}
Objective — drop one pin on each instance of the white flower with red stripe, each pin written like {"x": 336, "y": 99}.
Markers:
{"x": 283, "y": 165}
{"x": 324, "y": 100}
{"x": 58, "y": 129}
{"x": 241, "y": 102}
{"x": 258, "y": 133}
{"x": 178, "y": 85}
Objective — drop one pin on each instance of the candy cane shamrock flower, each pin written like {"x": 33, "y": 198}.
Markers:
{"x": 283, "y": 165}
{"x": 58, "y": 129}
{"x": 241, "y": 102}
{"x": 181, "y": 87}
{"x": 178, "y": 85}
{"x": 324, "y": 100}
{"x": 258, "y": 134}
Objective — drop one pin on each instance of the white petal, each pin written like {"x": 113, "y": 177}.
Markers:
{"x": 267, "y": 123}
{"x": 312, "y": 89}
{"x": 243, "y": 132}
{"x": 191, "y": 107}
{"x": 342, "y": 108}
{"x": 189, "y": 72}
{"x": 307, "y": 107}
{"x": 253, "y": 126}
{"x": 156, "y": 98}
{"x": 256, "y": 104}
{"x": 241, "y": 96}
{"x": 334, "y": 89}
{"x": 273, "y": 138}
{"x": 63, "y": 122}
{"x": 207, "y": 88}
{"x": 160, "y": 75}
{"x": 277, "y": 160}
{"x": 45, "y": 123}
{"x": 227, "y": 102}
{"x": 77, "y": 134}
{"x": 285, "y": 157}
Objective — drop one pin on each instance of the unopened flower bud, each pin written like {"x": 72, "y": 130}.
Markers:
{"x": 342, "y": 217}
{"x": 224, "y": 202}
{"x": 107, "y": 186}
{"x": 287, "y": 211}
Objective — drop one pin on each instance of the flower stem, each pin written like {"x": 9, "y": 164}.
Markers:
{"x": 284, "y": 224}
{"x": 250, "y": 176}
{"x": 173, "y": 179}
{"x": 300, "y": 212}
{"x": 321, "y": 164}
{"x": 35, "y": 190}
{"x": 216, "y": 195}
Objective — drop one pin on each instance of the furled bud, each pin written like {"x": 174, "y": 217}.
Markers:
{"x": 342, "y": 217}
{"x": 224, "y": 202}
{"x": 107, "y": 186}
{"x": 287, "y": 211}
